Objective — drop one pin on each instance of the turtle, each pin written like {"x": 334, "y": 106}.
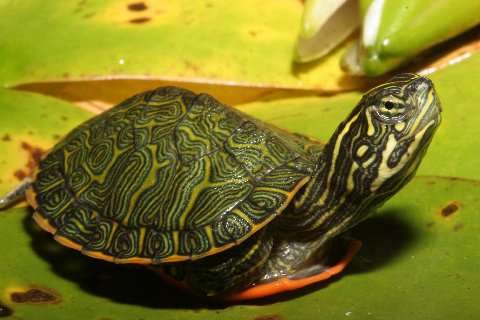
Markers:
{"x": 219, "y": 203}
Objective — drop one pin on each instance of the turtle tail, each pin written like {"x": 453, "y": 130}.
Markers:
{"x": 15, "y": 194}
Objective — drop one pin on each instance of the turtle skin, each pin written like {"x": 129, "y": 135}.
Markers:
{"x": 167, "y": 176}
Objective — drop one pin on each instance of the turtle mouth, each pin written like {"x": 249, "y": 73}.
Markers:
{"x": 429, "y": 107}
{"x": 433, "y": 119}
{"x": 424, "y": 126}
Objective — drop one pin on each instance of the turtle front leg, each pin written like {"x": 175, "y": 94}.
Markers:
{"x": 293, "y": 265}
{"x": 223, "y": 273}
{"x": 261, "y": 266}
{"x": 295, "y": 260}
{"x": 16, "y": 193}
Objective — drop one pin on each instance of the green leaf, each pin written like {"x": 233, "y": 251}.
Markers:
{"x": 411, "y": 253}
{"x": 215, "y": 42}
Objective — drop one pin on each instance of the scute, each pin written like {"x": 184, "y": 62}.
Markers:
{"x": 167, "y": 176}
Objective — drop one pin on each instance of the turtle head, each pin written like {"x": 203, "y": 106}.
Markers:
{"x": 390, "y": 131}
{"x": 383, "y": 141}
{"x": 372, "y": 154}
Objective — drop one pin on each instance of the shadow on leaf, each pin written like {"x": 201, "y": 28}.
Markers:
{"x": 384, "y": 237}
{"x": 126, "y": 284}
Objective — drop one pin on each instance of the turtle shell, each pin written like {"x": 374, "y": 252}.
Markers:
{"x": 167, "y": 176}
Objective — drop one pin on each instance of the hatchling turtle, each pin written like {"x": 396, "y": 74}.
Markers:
{"x": 222, "y": 204}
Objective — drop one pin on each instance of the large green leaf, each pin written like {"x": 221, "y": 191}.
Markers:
{"x": 420, "y": 257}
{"x": 245, "y": 42}
{"x": 239, "y": 51}
{"x": 419, "y": 260}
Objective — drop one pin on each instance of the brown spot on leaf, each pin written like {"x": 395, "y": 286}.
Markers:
{"x": 20, "y": 174}
{"x": 254, "y": 33}
{"x": 453, "y": 178}
{"x": 458, "y": 227}
{"x": 35, "y": 155}
{"x": 137, "y": 6}
{"x": 34, "y": 295}
{"x": 192, "y": 66}
{"x": 430, "y": 224}
{"x": 6, "y": 137}
{"x": 268, "y": 317}
{"x": 139, "y": 20}
{"x": 5, "y": 311}
{"x": 450, "y": 209}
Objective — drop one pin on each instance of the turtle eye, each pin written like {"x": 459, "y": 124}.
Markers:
{"x": 389, "y": 105}
{"x": 390, "y": 110}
